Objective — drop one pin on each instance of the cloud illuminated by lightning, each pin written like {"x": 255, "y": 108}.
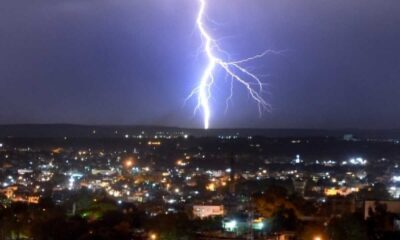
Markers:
{"x": 233, "y": 69}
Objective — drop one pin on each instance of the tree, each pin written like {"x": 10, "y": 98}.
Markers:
{"x": 377, "y": 192}
{"x": 272, "y": 200}
{"x": 58, "y": 227}
{"x": 172, "y": 226}
{"x": 350, "y": 227}
{"x": 16, "y": 221}
{"x": 380, "y": 220}
{"x": 284, "y": 219}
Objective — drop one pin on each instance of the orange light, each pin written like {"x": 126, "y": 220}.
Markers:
{"x": 154, "y": 143}
{"x": 129, "y": 162}
{"x": 211, "y": 187}
{"x": 153, "y": 236}
{"x": 56, "y": 150}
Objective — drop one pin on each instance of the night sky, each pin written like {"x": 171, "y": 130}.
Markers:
{"x": 135, "y": 61}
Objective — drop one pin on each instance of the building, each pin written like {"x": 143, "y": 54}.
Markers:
{"x": 206, "y": 211}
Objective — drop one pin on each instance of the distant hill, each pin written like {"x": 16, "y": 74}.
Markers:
{"x": 109, "y": 131}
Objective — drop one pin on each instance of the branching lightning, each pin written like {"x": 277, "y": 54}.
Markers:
{"x": 233, "y": 69}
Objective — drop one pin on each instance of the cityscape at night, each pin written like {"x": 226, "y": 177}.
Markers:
{"x": 200, "y": 120}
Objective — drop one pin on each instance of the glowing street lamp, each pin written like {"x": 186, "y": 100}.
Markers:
{"x": 230, "y": 225}
{"x": 128, "y": 163}
{"x": 153, "y": 236}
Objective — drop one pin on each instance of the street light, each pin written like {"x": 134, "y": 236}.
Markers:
{"x": 230, "y": 225}
{"x": 153, "y": 236}
{"x": 128, "y": 163}
{"x": 317, "y": 238}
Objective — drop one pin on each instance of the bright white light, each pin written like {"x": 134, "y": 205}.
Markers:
{"x": 71, "y": 181}
{"x": 358, "y": 161}
{"x": 258, "y": 226}
{"x": 233, "y": 69}
{"x": 396, "y": 178}
{"x": 297, "y": 160}
{"x": 231, "y": 225}
{"x": 171, "y": 201}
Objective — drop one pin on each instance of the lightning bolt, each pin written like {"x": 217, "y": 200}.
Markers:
{"x": 234, "y": 69}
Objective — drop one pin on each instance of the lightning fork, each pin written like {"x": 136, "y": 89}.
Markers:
{"x": 234, "y": 69}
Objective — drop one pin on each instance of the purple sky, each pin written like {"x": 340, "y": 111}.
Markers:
{"x": 135, "y": 62}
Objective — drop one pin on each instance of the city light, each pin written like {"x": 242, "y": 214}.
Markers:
{"x": 128, "y": 163}
{"x": 355, "y": 161}
{"x": 396, "y": 178}
{"x": 258, "y": 226}
{"x": 153, "y": 236}
{"x": 177, "y": 186}
{"x": 154, "y": 143}
{"x": 211, "y": 187}
{"x": 230, "y": 225}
